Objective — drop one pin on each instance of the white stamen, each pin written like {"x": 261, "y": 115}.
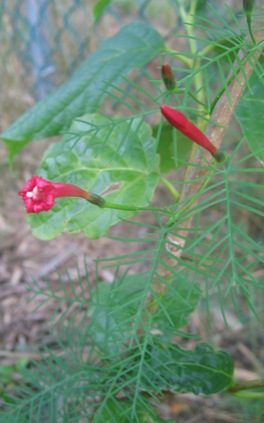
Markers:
{"x": 33, "y": 193}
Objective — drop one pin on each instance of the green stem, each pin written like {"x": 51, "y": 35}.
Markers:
{"x": 250, "y": 28}
{"x": 181, "y": 58}
{"x": 193, "y": 7}
{"x": 188, "y": 21}
{"x": 110, "y": 205}
{"x": 198, "y": 101}
{"x": 99, "y": 201}
{"x": 239, "y": 388}
{"x": 182, "y": 90}
{"x": 206, "y": 50}
{"x": 190, "y": 203}
{"x": 175, "y": 194}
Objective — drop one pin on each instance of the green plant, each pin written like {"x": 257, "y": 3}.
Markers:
{"x": 123, "y": 348}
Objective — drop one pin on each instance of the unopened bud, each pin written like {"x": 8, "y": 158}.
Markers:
{"x": 168, "y": 77}
{"x": 248, "y": 5}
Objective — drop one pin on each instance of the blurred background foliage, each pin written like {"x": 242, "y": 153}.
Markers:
{"x": 44, "y": 41}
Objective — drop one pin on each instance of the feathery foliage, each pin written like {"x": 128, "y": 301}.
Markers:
{"x": 117, "y": 348}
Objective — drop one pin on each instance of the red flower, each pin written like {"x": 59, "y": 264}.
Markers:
{"x": 179, "y": 121}
{"x": 39, "y": 194}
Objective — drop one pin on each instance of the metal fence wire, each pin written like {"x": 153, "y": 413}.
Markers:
{"x": 44, "y": 41}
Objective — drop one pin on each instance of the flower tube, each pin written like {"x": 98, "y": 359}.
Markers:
{"x": 191, "y": 131}
{"x": 40, "y": 195}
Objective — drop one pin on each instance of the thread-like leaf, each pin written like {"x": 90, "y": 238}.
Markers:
{"x": 250, "y": 116}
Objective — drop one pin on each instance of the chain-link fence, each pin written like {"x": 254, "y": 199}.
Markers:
{"x": 43, "y": 41}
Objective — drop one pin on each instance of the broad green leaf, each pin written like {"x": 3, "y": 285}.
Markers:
{"x": 115, "y": 305}
{"x": 201, "y": 371}
{"x": 99, "y": 8}
{"x": 119, "y": 158}
{"x": 174, "y": 308}
{"x": 112, "y": 309}
{"x": 107, "y": 333}
{"x": 173, "y": 147}
{"x": 133, "y": 46}
{"x": 226, "y": 43}
{"x": 249, "y": 114}
{"x": 126, "y": 292}
{"x": 120, "y": 411}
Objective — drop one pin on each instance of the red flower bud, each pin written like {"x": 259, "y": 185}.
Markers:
{"x": 191, "y": 131}
{"x": 39, "y": 194}
{"x": 168, "y": 77}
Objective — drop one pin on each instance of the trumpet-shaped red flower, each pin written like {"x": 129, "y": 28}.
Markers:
{"x": 39, "y": 194}
{"x": 180, "y": 122}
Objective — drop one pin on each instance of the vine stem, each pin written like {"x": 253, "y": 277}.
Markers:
{"x": 109, "y": 205}
{"x": 175, "y": 194}
{"x": 188, "y": 21}
{"x": 238, "y": 388}
{"x": 249, "y": 22}
{"x": 221, "y": 116}
{"x": 180, "y": 57}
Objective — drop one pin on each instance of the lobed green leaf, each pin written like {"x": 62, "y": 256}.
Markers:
{"x": 173, "y": 147}
{"x": 201, "y": 371}
{"x": 118, "y": 162}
